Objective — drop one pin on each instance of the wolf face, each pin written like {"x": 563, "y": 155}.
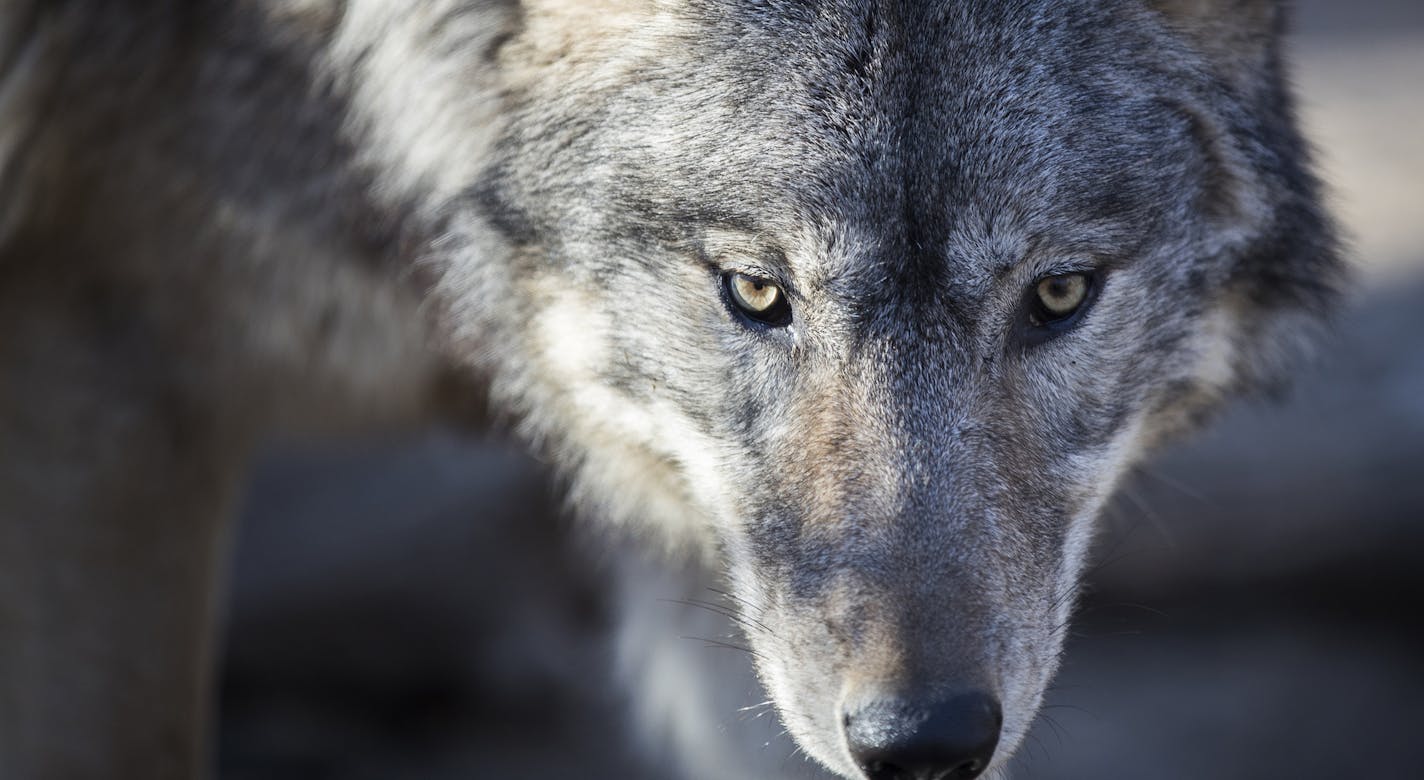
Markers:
{"x": 879, "y": 300}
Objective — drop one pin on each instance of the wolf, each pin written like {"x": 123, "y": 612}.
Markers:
{"x": 863, "y": 306}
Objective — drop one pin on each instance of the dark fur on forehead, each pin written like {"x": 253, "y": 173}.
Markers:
{"x": 913, "y": 123}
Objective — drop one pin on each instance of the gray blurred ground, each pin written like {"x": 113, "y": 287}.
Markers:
{"x": 419, "y": 609}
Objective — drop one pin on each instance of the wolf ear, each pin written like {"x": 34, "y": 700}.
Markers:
{"x": 1289, "y": 273}
{"x": 1238, "y": 37}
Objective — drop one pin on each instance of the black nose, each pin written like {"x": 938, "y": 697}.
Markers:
{"x": 949, "y": 739}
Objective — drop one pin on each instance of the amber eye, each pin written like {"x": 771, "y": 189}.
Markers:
{"x": 760, "y": 300}
{"x": 1057, "y": 298}
{"x": 1055, "y": 304}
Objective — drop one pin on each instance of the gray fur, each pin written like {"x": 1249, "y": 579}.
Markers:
{"x": 289, "y": 201}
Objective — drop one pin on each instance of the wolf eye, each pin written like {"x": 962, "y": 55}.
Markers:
{"x": 760, "y": 300}
{"x": 1059, "y": 296}
{"x": 1055, "y": 303}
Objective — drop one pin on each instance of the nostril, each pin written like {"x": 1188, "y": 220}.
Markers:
{"x": 880, "y": 770}
{"x": 883, "y": 770}
{"x": 947, "y": 739}
{"x": 968, "y": 769}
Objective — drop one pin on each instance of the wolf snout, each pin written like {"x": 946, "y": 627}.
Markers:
{"x": 951, "y": 738}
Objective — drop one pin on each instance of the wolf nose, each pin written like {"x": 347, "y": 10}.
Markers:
{"x": 949, "y": 739}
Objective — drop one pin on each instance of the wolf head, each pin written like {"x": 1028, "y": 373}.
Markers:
{"x": 879, "y": 300}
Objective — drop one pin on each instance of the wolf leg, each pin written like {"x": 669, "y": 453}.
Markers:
{"x": 114, "y": 496}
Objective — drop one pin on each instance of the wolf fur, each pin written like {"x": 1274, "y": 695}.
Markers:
{"x": 220, "y": 220}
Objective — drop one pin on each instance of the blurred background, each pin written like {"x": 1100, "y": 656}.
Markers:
{"x": 421, "y": 609}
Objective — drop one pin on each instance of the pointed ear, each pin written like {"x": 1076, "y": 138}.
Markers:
{"x": 1240, "y": 38}
{"x": 1288, "y": 274}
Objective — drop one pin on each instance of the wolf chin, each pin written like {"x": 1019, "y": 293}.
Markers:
{"x": 863, "y": 305}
